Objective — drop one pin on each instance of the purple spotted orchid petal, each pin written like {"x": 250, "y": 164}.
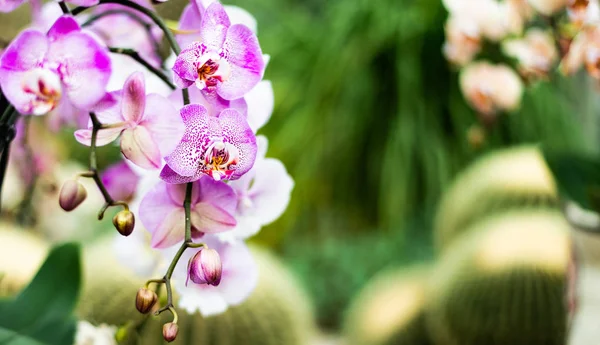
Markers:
{"x": 222, "y": 147}
{"x": 213, "y": 27}
{"x": 161, "y": 210}
{"x": 238, "y": 280}
{"x": 38, "y": 72}
{"x": 242, "y": 51}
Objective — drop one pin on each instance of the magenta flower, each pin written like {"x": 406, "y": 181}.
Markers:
{"x": 222, "y": 147}
{"x": 227, "y": 60}
{"x": 149, "y": 125}
{"x": 213, "y": 103}
{"x": 39, "y": 72}
{"x": 120, "y": 181}
{"x": 162, "y": 213}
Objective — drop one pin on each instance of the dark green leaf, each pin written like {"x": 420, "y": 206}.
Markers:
{"x": 577, "y": 176}
{"x": 43, "y": 310}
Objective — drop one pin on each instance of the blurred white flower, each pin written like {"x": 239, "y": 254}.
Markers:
{"x": 462, "y": 41}
{"x": 489, "y": 18}
{"x": 536, "y": 52}
{"x": 87, "y": 334}
{"x": 548, "y": 7}
{"x": 583, "y": 12}
{"x": 584, "y": 50}
{"x": 491, "y": 88}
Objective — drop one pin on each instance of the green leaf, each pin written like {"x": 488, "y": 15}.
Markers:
{"x": 42, "y": 312}
{"x": 577, "y": 176}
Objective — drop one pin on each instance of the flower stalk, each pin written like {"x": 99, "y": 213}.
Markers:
{"x": 155, "y": 18}
{"x": 93, "y": 170}
{"x": 136, "y": 56}
{"x": 187, "y": 243}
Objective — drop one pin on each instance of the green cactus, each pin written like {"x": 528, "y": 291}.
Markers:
{"x": 503, "y": 283}
{"x": 22, "y": 255}
{"x": 389, "y": 310}
{"x": 278, "y": 312}
{"x": 513, "y": 178}
{"x": 108, "y": 289}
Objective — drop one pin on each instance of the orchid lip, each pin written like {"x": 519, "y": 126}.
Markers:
{"x": 45, "y": 87}
{"x": 212, "y": 69}
{"x": 220, "y": 160}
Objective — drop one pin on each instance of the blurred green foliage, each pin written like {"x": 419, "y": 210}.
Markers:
{"x": 42, "y": 313}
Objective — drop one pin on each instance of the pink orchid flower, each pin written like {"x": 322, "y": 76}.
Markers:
{"x": 228, "y": 59}
{"x": 65, "y": 68}
{"x": 238, "y": 278}
{"x": 222, "y": 147}
{"x": 162, "y": 213}
{"x": 149, "y": 125}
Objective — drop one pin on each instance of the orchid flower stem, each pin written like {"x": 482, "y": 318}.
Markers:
{"x": 64, "y": 7}
{"x": 24, "y": 215}
{"x": 148, "y": 12}
{"x": 93, "y": 170}
{"x": 7, "y": 134}
{"x": 132, "y": 16}
{"x": 187, "y": 243}
{"x": 136, "y": 56}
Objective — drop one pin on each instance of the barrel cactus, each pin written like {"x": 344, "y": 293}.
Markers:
{"x": 108, "y": 288}
{"x": 503, "y": 282}
{"x": 22, "y": 255}
{"x": 389, "y": 310}
{"x": 278, "y": 311}
{"x": 514, "y": 178}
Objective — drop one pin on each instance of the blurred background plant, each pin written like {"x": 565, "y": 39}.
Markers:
{"x": 370, "y": 120}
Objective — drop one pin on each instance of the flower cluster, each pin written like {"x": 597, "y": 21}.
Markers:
{"x": 194, "y": 172}
{"x": 534, "y": 38}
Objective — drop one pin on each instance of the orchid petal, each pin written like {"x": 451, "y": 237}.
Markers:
{"x": 63, "y": 26}
{"x": 260, "y": 104}
{"x": 134, "y": 98}
{"x": 25, "y": 52}
{"x": 210, "y": 218}
{"x": 237, "y": 132}
{"x": 10, "y": 5}
{"x": 185, "y": 158}
{"x": 12, "y": 88}
{"x": 138, "y": 146}
{"x": 215, "y": 23}
{"x": 169, "y": 176}
{"x": 163, "y": 122}
{"x": 243, "y": 52}
{"x": 185, "y": 65}
{"x": 84, "y": 66}
{"x": 164, "y": 219}
{"x": 104, "y": 136}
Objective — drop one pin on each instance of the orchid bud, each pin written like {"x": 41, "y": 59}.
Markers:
{"x": 72, "y": 194}
{"x": 124, "y": 221}
{"x": 170, "y": 331}
{"x": 205, "y": 267}
{"x": 145, "y": 300}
